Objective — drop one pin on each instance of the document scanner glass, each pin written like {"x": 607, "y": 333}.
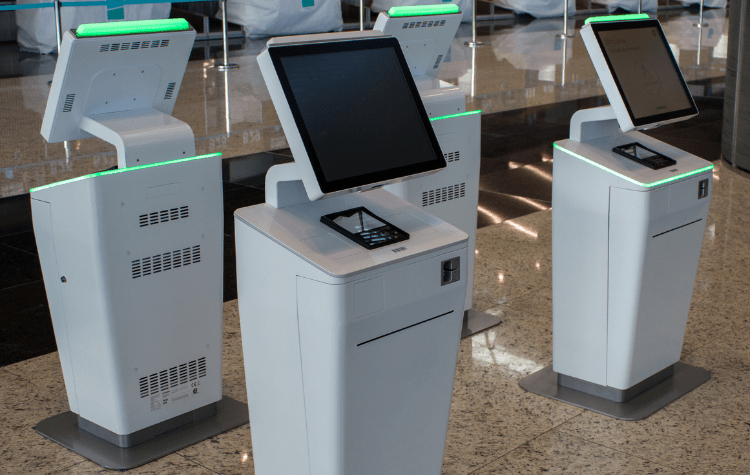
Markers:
{"x": 364, "y": 228}
{"x": 645, "y": 71}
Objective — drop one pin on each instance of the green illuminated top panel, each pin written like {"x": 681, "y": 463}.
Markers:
{"x": 132, "y": 27}
{"x": 647, "y": 185}
{"x": 455, "y": 115}
{"x": 422, "y": 10}
{"x": 121, "y": 170}
{"x": 633, "y": 16}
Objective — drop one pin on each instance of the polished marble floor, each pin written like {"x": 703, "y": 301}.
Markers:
{"x": 495, "y": 427}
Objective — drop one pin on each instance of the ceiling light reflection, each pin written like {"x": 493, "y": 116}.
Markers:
{"x": 539, "y": 172}
{"x": 531, "y": 202}
{"x": 522, "y": 229}
{"x": 495, "y": 218}
{"x": 484, "y": 351}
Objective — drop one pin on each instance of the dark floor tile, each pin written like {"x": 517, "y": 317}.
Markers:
{"x": 499, "y": 153}
{"x": 18, "y": 267}
{"x": 22, "y": 297}
{"x": 24, "y": 241}
{"x": 15, "y": 214}
{"x": 230, "y": 282}
{"x": 250, "y": 170}
{"x": 530, "y": 181}
{"x": 26, "y": 334}
{"x": 239, "y": 198}
{"x": 494, "y": 208}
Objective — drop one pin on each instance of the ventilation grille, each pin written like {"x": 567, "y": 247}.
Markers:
{"x": 437, "y": 61}
{"x": 452, "y": 157}
{"x": 170, "y": 91}
{"x": 134, "y": 45}
{"x": 68, "y": 106}
{"x": 172, "y": 377}
{"x": 445, "y": 193}
{"x": 163, "y": 216}
{"x": 423, "y": 24}
{"x": 164, "y": 262}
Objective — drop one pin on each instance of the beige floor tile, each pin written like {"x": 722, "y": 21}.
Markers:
{"x": 43, "y": 371}
{"x": 169, "y": 465}
{"x": 22, "y": 449}
{"x": 490, "y": 413}
{"x": 555, "y": 453}
{"x": 229, "y": 453}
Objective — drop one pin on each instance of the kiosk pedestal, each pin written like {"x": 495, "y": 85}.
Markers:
{"x": 628, "y": 217}
{"x": 358, "y": 375}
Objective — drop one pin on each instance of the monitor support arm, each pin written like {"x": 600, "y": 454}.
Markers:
{"x": 142, "y": 136}
{"x": 284, "y": 186}
{"x": 591, "y": 124}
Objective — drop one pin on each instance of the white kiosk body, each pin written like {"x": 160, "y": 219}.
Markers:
{"x": 628, "y": 217}
{"x": 369, "y": 336}
{"x": 453, "y": 194}
{"x": 132, "y": 258}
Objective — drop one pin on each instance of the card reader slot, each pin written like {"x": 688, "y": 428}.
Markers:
{"x": 678, "y": 227}
{"x": 405, "y": 328}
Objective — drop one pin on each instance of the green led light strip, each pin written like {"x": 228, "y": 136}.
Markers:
{"x": 422, "y": 10}
{"x": 455, "y": 115}
{"x": 647, "y": 185}
{"x": 131, "y": 27}
{"x": 120, "y": 170}
{"x": 634, "y": 16}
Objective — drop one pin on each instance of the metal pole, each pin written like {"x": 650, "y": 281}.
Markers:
{"x": 226, "y": 64}
{"x": 700, "y": 23}
{"x": 565, "y": 34}
{"x": 58, "y": 25}
{"x": 361, "y": 15}
{"x": 474, "y": 43}
{"x": 565, "y": 58}
{"x": 640, "y": 5}
{"x": 226, "y": 101}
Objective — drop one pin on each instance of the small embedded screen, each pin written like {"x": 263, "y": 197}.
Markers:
{"x": 645, "y": 71}
{"x": 358, "y": 111}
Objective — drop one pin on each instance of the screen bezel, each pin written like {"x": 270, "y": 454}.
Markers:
{"x": 642, "y": 24}
{"x": 331, "y": 186}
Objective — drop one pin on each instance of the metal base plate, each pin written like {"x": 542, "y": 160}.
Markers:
{"x": 685, "y": 379}
{"x": 63, "y": 429}
{"x": 477, "y": 322}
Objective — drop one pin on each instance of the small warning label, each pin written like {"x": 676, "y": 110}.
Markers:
{"x": 171, "y": 396}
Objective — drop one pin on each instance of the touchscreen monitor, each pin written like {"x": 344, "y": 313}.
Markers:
{"x": 357, "y": 110}
{"x": 644, "y": 70}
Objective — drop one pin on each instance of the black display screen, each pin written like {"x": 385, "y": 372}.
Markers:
{"x": 645, "y": 71}
{"x": 358, "y": 111}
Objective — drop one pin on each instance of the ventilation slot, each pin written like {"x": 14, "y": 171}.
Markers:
{"x": 155, "y": 44}
{"x": 452, "y": 157}
{"x": 163, "y": 216}
{"x": 104, "y": 48}
{"x": 446, "y": 193}
{"x": 68, "y": 106}
{"x": 114, "y": 47}
{"x": 164, "y": 262}
{"x": 170, "y": 91}
{"x": 422, "y": 24}
{"x": 135, "y": 45}
{"x": 125, "y": 47}
{"x": 164, "y": 43}
{"x": 202, "y": 367}
{"x": 437, "y": 61}
{"x": 145, "y": 44}
{"x": 172, "y": 377}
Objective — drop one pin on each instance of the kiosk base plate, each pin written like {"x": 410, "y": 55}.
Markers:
{"x": 685, "y": 379}
{"x": 63, "y": 429}
{"x": 477, "y": 322}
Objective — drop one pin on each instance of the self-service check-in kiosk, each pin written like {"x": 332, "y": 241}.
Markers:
{"x": 628, "y": 217}
{"x": 351, "y": 299}
{"x": 425, "y": 33}
{"x": 132, "y": 257}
